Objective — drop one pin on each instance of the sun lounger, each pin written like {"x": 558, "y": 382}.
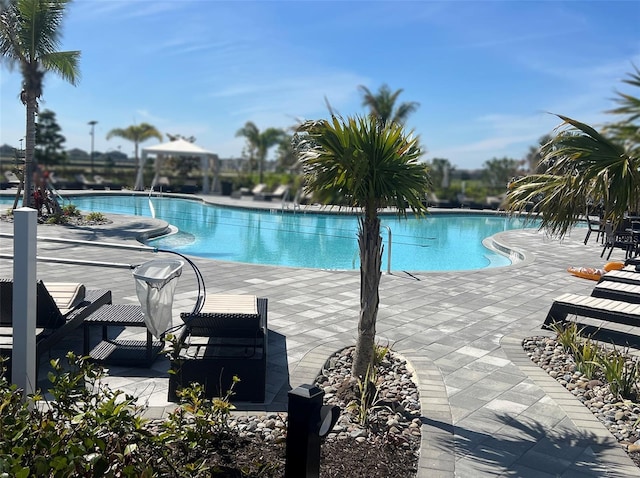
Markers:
{"x": 608, "y": 310}
{"x": 279, "y": 193}
{"x": 61, "y": 307}
{"x": 227, "y": 337}
{"x": 628, "y": 277}
{"x": 617, "y": 291}
{"x": 12, "y": 179}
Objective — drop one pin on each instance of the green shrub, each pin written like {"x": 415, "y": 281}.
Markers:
{"x": 71, "y": 210}
{"x": 57, "y": 219}
{"x": 567, "y": 335}
{"x": 87, "y": 430}
{"x": 586, "y": 354}
{"x": 96, "y": 217}
{"x": 620, "y": 372}
{"x": 366, "y": 399}
{"x": 380, "y": 352}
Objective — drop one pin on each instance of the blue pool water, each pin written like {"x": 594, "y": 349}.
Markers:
{"x": 322, "y": 241}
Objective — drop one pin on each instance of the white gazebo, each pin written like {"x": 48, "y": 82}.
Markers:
{"x": 181, "y": 147}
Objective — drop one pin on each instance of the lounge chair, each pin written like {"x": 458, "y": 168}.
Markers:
{"x": 61, "y": 307}
{"x": 162, "y": 184}
{"x": 13, "y": 180}
{"x": 617, "y": 291}
{"x": 227, "y": 337}
{"x": 83, "y": 183}
{"x": 608, "y": 310}
{"x": 279, "y": 193}
{"x": 433, "y": 201}
{"x": 626, "y": 276}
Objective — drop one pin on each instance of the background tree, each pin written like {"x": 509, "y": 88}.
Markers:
{"x": 498, "y": 172}
{"x": 259, "y": 143}
{"x": 440, "y": 170}
{"x": 137, "y": 134}
{"x": 583, "y": 166}
{"x": 30, "y": 33}
{"x": 373, "y": 165}
{"x": 175, "y": 137}
{"x": 534, "y": 158}
{"x": 49, "y": 142}
{"x": 286, "y": 156}
{"x": 383, "y": 104}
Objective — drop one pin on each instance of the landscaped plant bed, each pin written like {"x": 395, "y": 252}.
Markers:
{"x": 585, "y": 378}
{"x": 70, "y": 217}
{"x": 90, "y": 430}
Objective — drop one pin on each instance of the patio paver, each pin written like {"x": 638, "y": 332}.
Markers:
{"x": 486, "y": 409}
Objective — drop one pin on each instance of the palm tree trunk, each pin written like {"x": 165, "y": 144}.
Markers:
{"x": 370, "y": 244}
{"x": 27, "y": 197}
{"x": 139, "y": 186}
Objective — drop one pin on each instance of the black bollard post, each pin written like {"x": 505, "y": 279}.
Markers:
{"x": 309, "y": 420}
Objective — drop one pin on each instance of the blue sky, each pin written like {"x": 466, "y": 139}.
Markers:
{"x": 486, "y": 73}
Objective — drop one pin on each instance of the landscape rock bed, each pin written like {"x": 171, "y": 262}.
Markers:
{"x": 619, "y": 416}
{"x": 388, "y": 447}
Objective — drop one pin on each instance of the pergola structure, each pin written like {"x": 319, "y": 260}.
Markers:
{"x": 181, "y": 147}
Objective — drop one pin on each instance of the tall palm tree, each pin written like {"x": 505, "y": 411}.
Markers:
{"x": 383, "y": 104}
{"x": 583, "y": 166}
{"x": 259, "y": 142}
{"x": 30, "y": 34}
{"x": 372, "y": 165}
{"x": 137, "y": 133}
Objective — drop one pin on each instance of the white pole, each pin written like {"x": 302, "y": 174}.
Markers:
{"x": 388, "y": 251}
{"x": 204, "y": 165}
{"x": 24, "y": 299}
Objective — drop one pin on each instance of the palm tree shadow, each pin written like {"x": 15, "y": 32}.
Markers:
{"x": 522, "y": 445}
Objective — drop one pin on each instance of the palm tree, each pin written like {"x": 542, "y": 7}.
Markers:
{"x": 30, "y": 33}
{"x": 372, "y": 165}
{"x": 383, "y": 104}
{"x": 137, "y": 134}
{"x": 582, "y": 167}
{"x": 259, "y": 143}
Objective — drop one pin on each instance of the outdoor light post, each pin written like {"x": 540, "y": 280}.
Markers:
{"x": 93, "y": 125}
{"x": 309, "y": 422}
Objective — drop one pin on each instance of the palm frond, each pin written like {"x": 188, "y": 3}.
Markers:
{"x": 367, "y": 164}
{"x": 583, "y": 166}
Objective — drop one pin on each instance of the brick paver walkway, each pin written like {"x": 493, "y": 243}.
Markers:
{"x": 487, "y": 410}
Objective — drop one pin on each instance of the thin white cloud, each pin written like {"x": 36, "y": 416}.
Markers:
{"x": 124, "y": 9}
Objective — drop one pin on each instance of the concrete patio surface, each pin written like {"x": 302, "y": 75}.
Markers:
{"x": 487, "y": 410}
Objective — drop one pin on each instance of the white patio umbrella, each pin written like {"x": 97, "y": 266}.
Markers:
{"x": 181, "y": 147}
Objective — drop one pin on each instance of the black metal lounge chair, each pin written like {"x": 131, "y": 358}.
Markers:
{"x": 227, "y": 337}
{"x": 61, "y": 307}
{"x": 607, "y": 310}
{"x": 622, "y": 291}
{"x": 628, "y": 277}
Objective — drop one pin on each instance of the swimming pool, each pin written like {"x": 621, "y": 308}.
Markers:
{"x": 310, "y": 240}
